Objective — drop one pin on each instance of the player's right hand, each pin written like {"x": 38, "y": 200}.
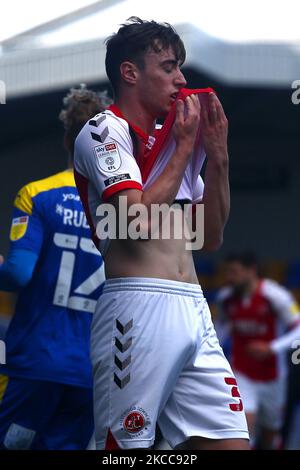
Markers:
{"x": 1, "y": 260}
{"x": 259, "y": 350}
{"x": 187, "y": 122}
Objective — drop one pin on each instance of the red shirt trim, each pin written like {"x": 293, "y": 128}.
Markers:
{"x": 111, "y": 443}
{"x": 164, "y": 132}
{"x": 137, "y": 130}
{"x": 82, "y": 187}
{"x": 120, "y": 187}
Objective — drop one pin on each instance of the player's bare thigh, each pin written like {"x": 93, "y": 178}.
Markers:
{"x": 251, "y": 421}
{"x": 201, "y": 443}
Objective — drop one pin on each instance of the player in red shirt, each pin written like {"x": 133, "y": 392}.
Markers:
{"x": 258, "y": 312}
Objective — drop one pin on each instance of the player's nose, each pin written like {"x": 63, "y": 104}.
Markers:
{"x": 180, "y": 80}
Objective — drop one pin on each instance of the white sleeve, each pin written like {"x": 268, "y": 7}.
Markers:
{"x": 282, "y": 301}
{"x": 285, "y": 342}
{"x": 198, "y": 190}
{"x": 104, "y": 155}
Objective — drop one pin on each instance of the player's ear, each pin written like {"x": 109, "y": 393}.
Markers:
{"x": 129, "y": 72}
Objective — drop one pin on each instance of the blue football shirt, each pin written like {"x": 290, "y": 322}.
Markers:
{"x": 49, "y": 335}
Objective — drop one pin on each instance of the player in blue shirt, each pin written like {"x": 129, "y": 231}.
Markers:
{"x": 46, "y": 383}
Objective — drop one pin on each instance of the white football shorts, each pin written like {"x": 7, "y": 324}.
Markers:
{"x": 156, "y": 359}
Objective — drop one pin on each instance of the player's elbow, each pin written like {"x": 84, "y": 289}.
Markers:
{"x": 11, "y": 281}
{"x": 20, "y": 278}
{"x": 17, "y": 271}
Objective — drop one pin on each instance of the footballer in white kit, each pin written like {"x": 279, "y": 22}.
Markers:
{"x": 155, "y": 354}
{"x": 154, "y": 350}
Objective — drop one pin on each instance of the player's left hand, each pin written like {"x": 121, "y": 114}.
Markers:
{"x": 259, "y": 350}
{"x": 214, "y": 127}
{"x": 1, "y": 260}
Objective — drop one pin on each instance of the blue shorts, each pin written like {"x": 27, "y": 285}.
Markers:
{"x": 41, "y": 415}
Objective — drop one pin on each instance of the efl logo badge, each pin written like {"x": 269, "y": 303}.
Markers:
{"x": 18, "y": 228}
{"x": 135, "y": 421}
{"x": 108, "y": 157}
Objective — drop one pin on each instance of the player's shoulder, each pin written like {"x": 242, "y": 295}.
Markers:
{"x": 224, "y": 294}
{"x": 58, "y": 180}
{"x": 107, "y": 117}
{"x": 273, "y": 290}
{"x": 101, "y": 126}
{"x": 32, "y": 190}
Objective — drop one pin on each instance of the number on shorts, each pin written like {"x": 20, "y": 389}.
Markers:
{"x": 234, "y": 393}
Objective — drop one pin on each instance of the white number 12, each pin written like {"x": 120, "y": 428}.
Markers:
{"x": 62, "y": 293}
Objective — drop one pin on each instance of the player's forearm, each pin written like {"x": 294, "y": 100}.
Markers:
{"x": 185, "y": 128}
{"x": 163, "y": 191}
{"x": 165, "y": 188}
{"x": 216, "y": 200}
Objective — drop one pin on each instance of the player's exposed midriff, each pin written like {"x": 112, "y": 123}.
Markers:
{"x": 163, "y": 258}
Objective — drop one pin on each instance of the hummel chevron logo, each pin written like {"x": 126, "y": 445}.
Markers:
{"x": 123, "y": 347}
{"x": 124, "y": 328}
{"x": 123, "y": 364}
{"x": 100, "y": 138}
{"x": 97, "y": 120}
{"x": 121, "y": 382}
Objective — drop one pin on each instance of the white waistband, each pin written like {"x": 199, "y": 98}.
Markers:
{"x": 149, "y": 284}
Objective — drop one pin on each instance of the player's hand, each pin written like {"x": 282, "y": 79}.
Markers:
{"x": 187, "y": 122}
{"x": 1, "y": 260}
{"x": 259, "y": 350}
{"x": 214, "y": 126}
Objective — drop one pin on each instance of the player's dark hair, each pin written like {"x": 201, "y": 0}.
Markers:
{"x": 80, "y": 105}
{"x": 133, "y": 40}
{"x": 248, "y": 259}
